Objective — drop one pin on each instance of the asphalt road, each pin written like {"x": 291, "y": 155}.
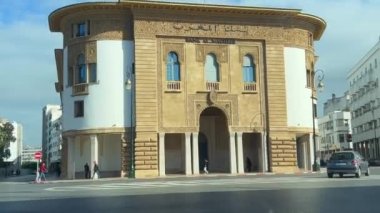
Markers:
{"x": 268, "y": 193}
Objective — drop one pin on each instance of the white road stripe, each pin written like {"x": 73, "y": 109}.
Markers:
{"x": 191, "y": 183}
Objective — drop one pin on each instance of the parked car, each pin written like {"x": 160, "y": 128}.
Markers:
{"x": 374, "y": 162}
{"x": 347, "y": 162}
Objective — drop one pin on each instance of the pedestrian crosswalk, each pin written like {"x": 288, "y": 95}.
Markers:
{"x": 199, "y": 183}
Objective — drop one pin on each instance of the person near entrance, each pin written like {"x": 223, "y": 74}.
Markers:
{"x": 96, "y": 171}
{"x": 205, "y": 168}
{"x": 248, "y": 164}
{"x": 87, "y": 172}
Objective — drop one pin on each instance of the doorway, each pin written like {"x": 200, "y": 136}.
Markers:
{"x": 214, "y": 140}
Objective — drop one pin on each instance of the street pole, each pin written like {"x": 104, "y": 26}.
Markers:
{"x": 132, "y": 172}
{"x": 37, "y": 172}
{"x": 374, "y": 126}
{"x": 130, "y": 86}
{"x": 316, "y": 166}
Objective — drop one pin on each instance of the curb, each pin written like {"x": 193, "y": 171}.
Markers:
{"x": 181, "y": 177}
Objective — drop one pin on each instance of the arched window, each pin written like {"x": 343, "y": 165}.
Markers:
{"x": 81, "y": 76}
{"x": 211, "y": 68}
{"x": 249, "y": 69}
{"x": 172, "y": 67}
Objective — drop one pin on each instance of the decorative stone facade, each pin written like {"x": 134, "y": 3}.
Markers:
{"x": 169, "y": 123}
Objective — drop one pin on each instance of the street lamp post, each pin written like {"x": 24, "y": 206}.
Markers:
{"x": 319, "y": 86}
{"x": 374, "y": 124}
{"x": 129, "y": 84}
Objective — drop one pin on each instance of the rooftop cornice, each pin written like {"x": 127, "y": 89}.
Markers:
{"x": 56, "y": 16}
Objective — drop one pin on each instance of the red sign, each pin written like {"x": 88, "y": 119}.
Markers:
{"x": 38, "y": 155}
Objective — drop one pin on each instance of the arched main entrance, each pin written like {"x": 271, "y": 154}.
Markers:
{"x": 214, "y": 139}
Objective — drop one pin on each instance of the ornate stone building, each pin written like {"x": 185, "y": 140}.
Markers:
{"x": 204, "y": 82}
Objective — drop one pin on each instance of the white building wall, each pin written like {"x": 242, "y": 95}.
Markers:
{"x": 56, "y": 140}
{"x": 52, "y": 130}
{"x": 15, "y": 147}
{"x": 107, "y": 104}
{"x": 298, "y": 96}
{"x": 28, "y": 154}
{"x": 364, "y": 92}
{"x": 333, "y": 143}
{"x": 110, "y": 153}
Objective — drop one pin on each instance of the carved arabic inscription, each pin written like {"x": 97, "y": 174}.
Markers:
{"x": 150, "y": 29}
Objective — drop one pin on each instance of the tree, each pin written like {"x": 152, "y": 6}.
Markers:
{"x": 6, "y": 137}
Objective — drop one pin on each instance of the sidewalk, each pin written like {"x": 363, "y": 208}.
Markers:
{"x": 51, "y": 178}
{"x": 20, "y": 178}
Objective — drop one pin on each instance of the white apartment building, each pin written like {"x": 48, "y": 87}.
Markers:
{"x": 365, "y": 103}
{"x": 28, "y": 154}
{"x": 335, "y": 131}
{"x": 15, "y": 147}
{"x": 52, "y": 135}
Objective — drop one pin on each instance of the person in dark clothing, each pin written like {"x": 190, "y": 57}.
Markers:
{"x": 96, "y": 171}
{"x": 248, "y": 164}
{"x": 58, "y": 170}
{"x": 87, "y": 173}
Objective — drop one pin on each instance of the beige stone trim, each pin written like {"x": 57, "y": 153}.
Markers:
{"x": 148, "y": 9}
{"x": 283, "y": 152}
{"x": 152, "y": 28}
{"x": 88, "y": 49}
{"x": 178, "y": 48}
{"x": 114, "y": 24}
{"x": 228, "y": 103}
{"x": 249, "y": 50}
{"x": 71, "y": 133}
{"x": 149, "y": 173}
{"x": 220, "y": 51}
{"x": 276, "y": 89}
{"x": 59, "y": 64}
{"x": 305, "y": 130}
{"x": 310, "y": 58}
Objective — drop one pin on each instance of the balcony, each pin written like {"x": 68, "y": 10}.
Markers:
{"x": 173, "y": 86}
{"x": 212, "y": 86}
{"x": 80, "y": 89}
{"x": 249, "y": 87}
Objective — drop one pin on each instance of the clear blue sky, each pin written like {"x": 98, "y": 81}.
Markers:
{"x": 27, "y": 64}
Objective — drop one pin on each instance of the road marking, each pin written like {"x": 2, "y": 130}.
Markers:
{"x": 210, "y": 182}
{"x": 13, "y": 183}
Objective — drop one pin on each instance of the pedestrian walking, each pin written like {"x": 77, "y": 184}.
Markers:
{"x": 87, "y": 173}
{"x": 96, "y": 171}
{"x": 205, "y": 168}
{"x": 42, "y": 172}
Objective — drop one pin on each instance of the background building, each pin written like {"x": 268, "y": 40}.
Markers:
{"x": 365, "y": 103}
{"x": 335, "y": 126}
{"x": 28, "y": 154}
{"x": 52, "y": 135}
{"x": 15, "y": 147}
{"x": 148, "y": 89}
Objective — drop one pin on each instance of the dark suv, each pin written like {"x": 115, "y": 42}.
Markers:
{"x": 347, "y": 162}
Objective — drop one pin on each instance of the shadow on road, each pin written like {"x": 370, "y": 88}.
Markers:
{"x": 284, "y": 200}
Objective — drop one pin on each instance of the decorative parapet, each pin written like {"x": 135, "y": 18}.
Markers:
{"x": 212, "y": 86}
{"x": 250, "y": 87}
{"x": 173, "y": 86}
{"x": 80, "y": 89}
